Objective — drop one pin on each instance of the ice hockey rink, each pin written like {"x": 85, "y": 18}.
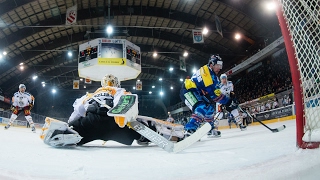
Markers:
{"x": 253, "y": 154}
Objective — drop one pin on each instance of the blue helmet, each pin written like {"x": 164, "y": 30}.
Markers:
{"x": 215, "y": 59}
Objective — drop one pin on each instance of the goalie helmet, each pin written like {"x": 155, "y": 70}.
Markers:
{"x": 110, "y": 80}
{"x": 215, "y": 59}
{"x": 22, "y": 86}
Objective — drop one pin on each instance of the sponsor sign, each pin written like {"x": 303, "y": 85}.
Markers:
{"x": 276, "y": 113}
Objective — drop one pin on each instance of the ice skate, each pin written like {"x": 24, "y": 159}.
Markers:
{"x": 7, "y": 126}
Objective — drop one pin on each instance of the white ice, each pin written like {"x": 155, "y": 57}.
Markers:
{"x": 253, "y": 154}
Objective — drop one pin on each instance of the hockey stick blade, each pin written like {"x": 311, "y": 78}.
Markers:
{"x": 203, "y": 130}
{"x": 279, "y": 129}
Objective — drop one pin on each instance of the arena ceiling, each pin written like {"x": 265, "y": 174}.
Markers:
{"x": 34, "y": 33}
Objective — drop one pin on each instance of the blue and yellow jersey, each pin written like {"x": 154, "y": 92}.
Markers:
{"x": 205, "y": 81}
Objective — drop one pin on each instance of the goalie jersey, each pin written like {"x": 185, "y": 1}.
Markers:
{"x": 108, "y": 95}
{"x": 226, "y": 88}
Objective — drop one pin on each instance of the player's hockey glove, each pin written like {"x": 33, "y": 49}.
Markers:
{"x": 14, "y": 109}
{"x": 30, "y": 106}
{"x": 231, "y": 105}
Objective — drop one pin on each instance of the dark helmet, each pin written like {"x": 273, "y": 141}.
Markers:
{"x": 215, "y": 59}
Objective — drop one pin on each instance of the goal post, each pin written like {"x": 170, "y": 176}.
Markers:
{"x": 300, "y": 26}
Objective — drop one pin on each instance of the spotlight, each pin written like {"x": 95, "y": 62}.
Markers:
{"x": 185, "y": 54}
{"x": 4, "y": 53}
{"x": 109, "y": 29}
{"x": 70, "y": 54}
{"x": 153, "y": 86}
{"x": 155, "y": 54}
{"x": 133, "y": 87}
{"x": 160, "y": 79}
{"x": 21, "y": 64}
{"x": 171, "y": 87}
{"x": 34, "y": 77}
{"x": 237, "y": 36}
{"x": 181, "y": 79}
{"x": 171, "y": 69}
{"x": 84, "y": 86}
{"x": 205, "y": 31}
{"x": 161, "y": 93}
{"x": 138, "y": 80}
{"x": 53, "y": 91}
{"x": 194, "y": 70}
{"x": 270, "y": 6}
{"x": 150, "y": 92}
{"x": 81, "y": 79}
{"x": 43, "y": 85}
{"x": 21, "y": 67}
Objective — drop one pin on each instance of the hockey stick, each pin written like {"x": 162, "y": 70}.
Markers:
{"x": 154, "y": 137}
{"x": 272, "y": 130}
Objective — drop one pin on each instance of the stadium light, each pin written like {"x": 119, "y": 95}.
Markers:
{"x": 81, "y": 79}
{"x": 171, "y": 87}
{"x": 21, "y": 64}
{"x": 53, "y": 91}
{"x": 4, "y": 53}
{"x": 70, "y": 54}
{"x": 34, "y": 77}
{"x": 181, "y": 79}
{"x": 138, "y": 80}
{"x": 237, "y": 36}
{"x": 133, "y": 87}
{"x": 43, "y": 85}
{"x": 171, "y": 69}
{"x": 160, "y": 79}
{"x": 205, "y": 31}
{"x": 153, "y": 86}
{"x": 270, "y": 6}
{"x": 109, "y": 29}
{"x": 84, "y": 86}
{"x": 21, "y": 67}
{"x": 194, "y": 70}
{"x": 150, "y": 92}
{"x": 161, "y": 93}
{"x": 185, "y": 54}
{"x": 1, "y": 56}
{"x": 155, "y": 54}
{"x": 42, "y": 82}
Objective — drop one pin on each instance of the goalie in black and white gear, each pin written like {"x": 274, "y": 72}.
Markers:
{"x": 90, "y": 120}
{"x": 226, "y": 88}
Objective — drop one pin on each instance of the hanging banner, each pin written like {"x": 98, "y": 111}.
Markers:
{"x": 218, "y": 25}
{"x": 197, "y": 36}
{"x": 71, "y": 15}
{"x": 87, "y": 81}
{"x": 139, "y": 85}
{"x": 76, "y": 84}
{"x": 183, "y": 63}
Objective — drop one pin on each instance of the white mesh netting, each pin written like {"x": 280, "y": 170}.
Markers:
{"x": 303, "y": 21}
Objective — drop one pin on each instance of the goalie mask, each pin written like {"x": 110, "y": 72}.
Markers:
{"x": 110, "y": 80}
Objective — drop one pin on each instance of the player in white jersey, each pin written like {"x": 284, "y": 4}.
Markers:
{"x": 89, "y": 120}
{"x": 226, "y": 88}
{"x": 22, "y": 101}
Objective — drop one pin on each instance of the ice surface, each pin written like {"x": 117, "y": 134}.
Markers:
{"x": 253, "y": 154}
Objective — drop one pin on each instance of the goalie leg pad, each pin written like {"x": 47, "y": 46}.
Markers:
{"x": 56, "y": 133}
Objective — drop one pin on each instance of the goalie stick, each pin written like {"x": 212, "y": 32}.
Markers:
{"x": 272, "y": 130}
{"x": 127, "y": 102}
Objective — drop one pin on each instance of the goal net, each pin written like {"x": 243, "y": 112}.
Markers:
{"x": 300, "y": 25}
